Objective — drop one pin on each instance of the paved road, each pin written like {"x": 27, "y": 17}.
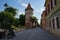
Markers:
{"x": 34, "y": 34}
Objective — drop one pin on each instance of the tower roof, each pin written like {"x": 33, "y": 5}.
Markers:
{"x": 29, "y": 7}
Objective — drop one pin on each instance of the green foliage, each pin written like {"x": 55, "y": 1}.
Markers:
{"x": 7, "y": 17}
{"x": 22, "y": 20}
{"x": 16, "y": 22}
{"x": 34, "y": 19}
{"x": 10, "y": 9}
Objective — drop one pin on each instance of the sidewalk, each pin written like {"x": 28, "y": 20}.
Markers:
{"x": 19, "y": 30}
{"x": 55, "y": 32}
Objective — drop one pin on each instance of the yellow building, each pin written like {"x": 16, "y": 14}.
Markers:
{"x": 52, "y": 8}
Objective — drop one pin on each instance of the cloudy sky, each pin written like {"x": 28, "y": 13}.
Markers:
{"x": 37, "y": 5}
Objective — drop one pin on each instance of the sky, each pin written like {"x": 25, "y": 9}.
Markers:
{"x": 37, "y": 5}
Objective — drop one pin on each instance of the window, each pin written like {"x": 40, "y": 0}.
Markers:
{"x": 50, "y": 23}
{"x": 46, "y": 12}
{"x": 53, "y": 23}
{"x": 57, "y": 22}
{"x": 48, "y": 8}
{"x": 53, "y": 3}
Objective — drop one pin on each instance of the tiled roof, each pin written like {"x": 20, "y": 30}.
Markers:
{"x": 29, "y": 7}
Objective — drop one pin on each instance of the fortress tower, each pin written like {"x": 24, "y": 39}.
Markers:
{"x": 28, "y": 16}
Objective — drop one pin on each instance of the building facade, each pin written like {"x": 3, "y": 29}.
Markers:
{"x": 28, "y": 16}
{"x": 52, "y": 8}
{"x": 43, "y": 20}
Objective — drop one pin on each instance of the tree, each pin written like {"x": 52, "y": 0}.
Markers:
{"x": 34, "y": 19}
{"x": 16, "y": 22}
{"x": 7, "y": 16}
{"x": 1, "y": 19}
{"x": 10, "y": 9}
{"x": 22, "y": 20}
{"x": 6, "y": 19}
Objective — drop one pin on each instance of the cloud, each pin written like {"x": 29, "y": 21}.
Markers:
{"x": 19, "y": 13}
{"x": 32, "y": 6}
{"x": 21, "y": 2}
{"x": 24, "y": 5}
{"x": 39, "y": 21}
{"x": 38, "y": 13}
{"x": 41, "y": 10}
